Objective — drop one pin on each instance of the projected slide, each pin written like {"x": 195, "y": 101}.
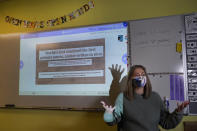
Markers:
{"x": 72, "y": 61}
{"x": 77, "y": 62}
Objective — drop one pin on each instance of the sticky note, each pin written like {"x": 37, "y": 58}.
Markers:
{"x": 179, "y": 47}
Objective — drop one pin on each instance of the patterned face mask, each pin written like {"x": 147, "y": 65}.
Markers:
{"x": 139, "y": 81}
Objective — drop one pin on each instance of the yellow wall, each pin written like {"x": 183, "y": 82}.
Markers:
{"x": 47, "y": 120}
{"x": 105, "y": 11}
{"x": 53, "y": 120}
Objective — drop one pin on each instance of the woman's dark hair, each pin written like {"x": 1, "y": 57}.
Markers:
{"x": 129, "y": 92}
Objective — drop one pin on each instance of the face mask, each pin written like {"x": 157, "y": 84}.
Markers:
{"x": 139, "y": 81}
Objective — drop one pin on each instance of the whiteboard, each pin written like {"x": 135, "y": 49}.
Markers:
{"x": 80, "y": 80}
{"x": 153, "y": 43}
{"x": 9, "y": 86}
{"x": 161, "y": 84}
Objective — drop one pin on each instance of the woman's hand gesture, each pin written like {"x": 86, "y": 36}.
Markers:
{"x": 108, "y": 108}
{"x": 116, "y": 71}
{"x": 180, "y": 107}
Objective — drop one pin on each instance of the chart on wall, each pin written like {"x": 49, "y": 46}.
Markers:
{"x": 190, "y": 51}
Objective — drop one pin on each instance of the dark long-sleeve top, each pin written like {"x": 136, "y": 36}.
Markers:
{"x": 142, "y": 114}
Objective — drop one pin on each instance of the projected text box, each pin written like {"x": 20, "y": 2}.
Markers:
{"x": 76, "y": 62}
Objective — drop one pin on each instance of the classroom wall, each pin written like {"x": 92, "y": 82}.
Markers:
{"x": 51, "y": 120}
{"x": 105, "y": 11}
{"x": 56, "y": 120}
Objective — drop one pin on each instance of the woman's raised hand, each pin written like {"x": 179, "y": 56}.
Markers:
{"x": 116, "y": 71}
